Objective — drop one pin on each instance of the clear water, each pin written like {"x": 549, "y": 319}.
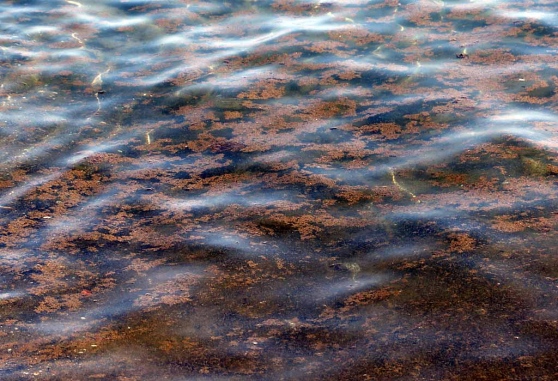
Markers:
{"x": 278, "y": 190}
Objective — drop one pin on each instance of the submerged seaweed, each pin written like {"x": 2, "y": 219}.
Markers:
{"x": 278, "y": 190}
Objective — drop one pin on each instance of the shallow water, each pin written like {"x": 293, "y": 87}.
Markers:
{"x": 278, "y": 190}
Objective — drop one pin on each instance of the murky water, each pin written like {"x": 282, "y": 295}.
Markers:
{"x": 296, "y": 190}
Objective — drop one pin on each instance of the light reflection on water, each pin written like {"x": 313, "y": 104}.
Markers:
{"x": 278, "y": 190}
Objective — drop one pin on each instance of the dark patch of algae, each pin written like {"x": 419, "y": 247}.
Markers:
{"x": 163, "y": 259}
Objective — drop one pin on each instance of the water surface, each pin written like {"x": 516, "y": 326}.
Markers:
{"x": 278, "y": 190}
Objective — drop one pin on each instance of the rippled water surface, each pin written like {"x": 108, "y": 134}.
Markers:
{"x": 295, "y": 190}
